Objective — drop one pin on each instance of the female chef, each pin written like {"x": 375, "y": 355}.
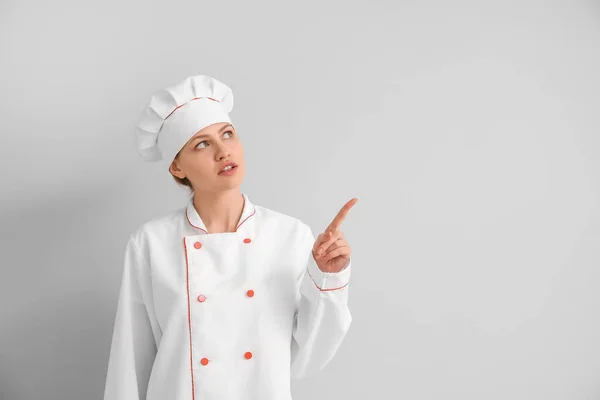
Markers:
{"x": 222, "y": 298}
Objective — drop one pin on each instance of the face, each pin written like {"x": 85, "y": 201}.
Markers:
{"x": 204, "y": 156}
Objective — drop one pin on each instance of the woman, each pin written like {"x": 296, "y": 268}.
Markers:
{"x": 221, "y": 299}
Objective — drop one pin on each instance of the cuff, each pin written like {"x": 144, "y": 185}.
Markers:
{"x": 327, "y": 281}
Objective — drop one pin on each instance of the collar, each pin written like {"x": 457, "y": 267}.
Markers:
{"x": 195, "y": 221}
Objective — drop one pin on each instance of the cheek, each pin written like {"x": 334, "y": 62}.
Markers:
{"x": 200, "y": 168}
{"x": 237, "y": 149}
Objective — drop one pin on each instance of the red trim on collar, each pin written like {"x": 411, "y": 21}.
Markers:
{"x": 190, "y": 222}
{"x": 238, "y": 227}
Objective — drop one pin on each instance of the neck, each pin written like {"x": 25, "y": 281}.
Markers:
{"x": 220, "y": 211}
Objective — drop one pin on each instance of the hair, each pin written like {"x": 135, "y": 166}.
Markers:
{"x": 185, "y": 182}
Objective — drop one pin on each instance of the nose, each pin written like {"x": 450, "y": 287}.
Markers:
{"x": 222, "y": 151}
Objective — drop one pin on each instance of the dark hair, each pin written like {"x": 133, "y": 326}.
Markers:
{"x": 183, "y": 182}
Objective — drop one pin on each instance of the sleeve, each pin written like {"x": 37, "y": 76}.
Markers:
{"x": 322, "y": 316}
{"x": 133, "y": 348}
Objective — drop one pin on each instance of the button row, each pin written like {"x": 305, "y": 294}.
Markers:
{"x": 247, "y": 356}
{"x": 199, "y": 245}
{"x": 202, "y": 298}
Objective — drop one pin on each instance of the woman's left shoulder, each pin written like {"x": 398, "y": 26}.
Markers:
{"x": 283, "y": 221}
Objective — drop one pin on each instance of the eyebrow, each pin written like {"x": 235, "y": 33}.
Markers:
{"x": 204, "y": 135}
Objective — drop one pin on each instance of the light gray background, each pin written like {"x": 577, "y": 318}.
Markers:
{"x": 468, "y": 130}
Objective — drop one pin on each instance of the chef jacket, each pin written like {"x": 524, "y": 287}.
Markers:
{"x": 231, "y": 315}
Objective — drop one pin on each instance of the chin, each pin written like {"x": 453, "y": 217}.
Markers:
{"x": 234, "y": 181}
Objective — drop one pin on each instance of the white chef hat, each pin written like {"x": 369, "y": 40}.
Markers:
{"x": 177, "y": 113}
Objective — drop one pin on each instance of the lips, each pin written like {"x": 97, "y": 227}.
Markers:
{"x": 232, "y": 164}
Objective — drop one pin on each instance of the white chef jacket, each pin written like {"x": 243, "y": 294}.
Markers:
{"x": 232, "y": 315}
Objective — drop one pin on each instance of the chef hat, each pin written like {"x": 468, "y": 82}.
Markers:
{"x": 177, "y": 113}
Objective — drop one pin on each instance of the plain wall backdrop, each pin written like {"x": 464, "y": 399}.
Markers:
{"x": 468, "y": 130}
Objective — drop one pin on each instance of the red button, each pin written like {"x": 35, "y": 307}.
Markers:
{"x": 250, "y": 293}
{"x": 247, "y": 240}
{"x": 197, "y": 245}
{"x": 248, "y": 355}
{"x": 201, "y": 298}
{"x": 204, "y": 361}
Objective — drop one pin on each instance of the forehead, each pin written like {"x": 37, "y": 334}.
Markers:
{"x": 212, "y": 129}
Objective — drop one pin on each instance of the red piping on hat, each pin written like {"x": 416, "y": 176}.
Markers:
{"x": 195, "y": 98}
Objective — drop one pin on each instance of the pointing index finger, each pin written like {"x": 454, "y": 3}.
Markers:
{"x": 337, "y": 221}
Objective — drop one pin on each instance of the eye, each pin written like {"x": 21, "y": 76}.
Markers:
{"x": 204, "y": 141}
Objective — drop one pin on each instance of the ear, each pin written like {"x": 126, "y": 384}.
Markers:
{"x": 174, "y": 169}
